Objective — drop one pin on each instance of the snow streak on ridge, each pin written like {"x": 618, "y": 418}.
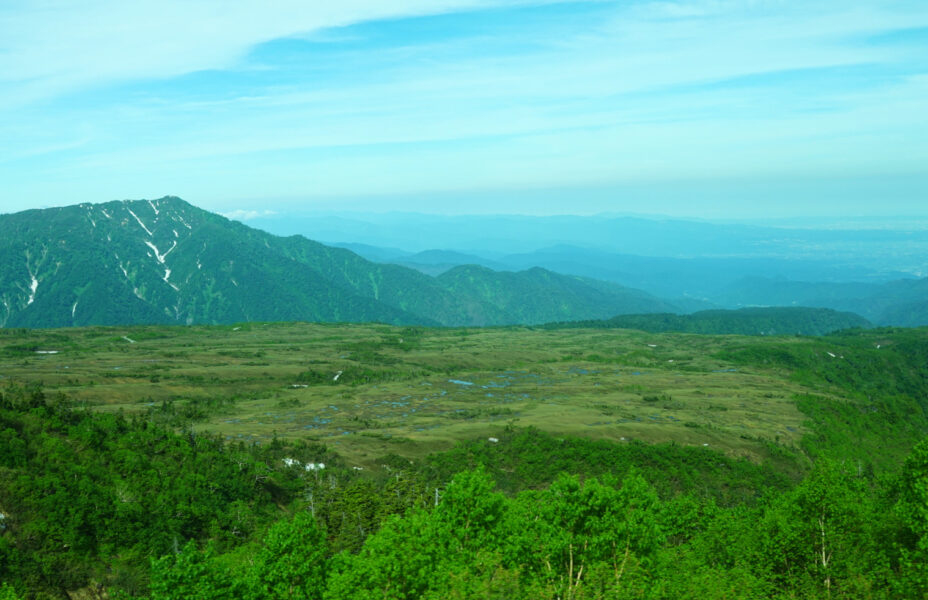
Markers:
{"x": 158, "y": 254}
{"x": 147, "y": 230}
{"x": 33, "y": 286}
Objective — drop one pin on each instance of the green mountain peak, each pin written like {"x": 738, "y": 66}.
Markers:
{"x": 167, "y": 261}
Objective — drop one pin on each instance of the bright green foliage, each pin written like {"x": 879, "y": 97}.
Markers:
{"x": 881, "y": 372}
{"x": 912, "y": 509}
{"x": 192, "y": 574}
{"x": 351, "y": 513}
{"x": 88, "y": 497}
{"x": 573, "y": 528}
{"x": 817, "y": 539}
{"x": 291, "y": 562}
{"x": 399, "y": 562}
{"x": 79, "y": 486}
{"x": 684, "y": 516}
{"x": 8, "y": 593}
{"x": 483, "y": 575}
{"x": 470, "y": 513}
{"x": 527, "y": 458}
{"x": 432, "y": 552}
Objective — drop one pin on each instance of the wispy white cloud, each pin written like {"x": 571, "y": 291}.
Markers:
{"x": 58, "y": 45}
{"x": 247, "y": 215}
{"x": 639, "y": 91}
{"x": 623, "y": 74}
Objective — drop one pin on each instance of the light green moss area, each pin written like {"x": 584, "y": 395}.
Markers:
{"x": 425, "y": 388}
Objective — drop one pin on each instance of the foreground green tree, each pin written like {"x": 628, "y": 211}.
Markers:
{"x": 585, "y": 539}
{"x": 912, "y": 511}
{"x": 816, "y": 540}
{"x": 291, "y": 562}
{"x": 193, "y": 574}
{"x": 8, "y": 593}
{"x": 398, "y": 562}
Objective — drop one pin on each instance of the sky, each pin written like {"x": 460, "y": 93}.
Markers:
{"x": 705, "y": 108}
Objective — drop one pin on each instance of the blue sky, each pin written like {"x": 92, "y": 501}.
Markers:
{"x": 706, "y": 108}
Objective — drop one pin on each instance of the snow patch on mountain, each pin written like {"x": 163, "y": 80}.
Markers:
{"x": 154, "y": 208}
{"x": 158, "y": 254}
{"x": 147, "y": 230}
{"x": 167, "y": 277}
{"x": 32, "y": 286}
{"x": 121, "y": 268}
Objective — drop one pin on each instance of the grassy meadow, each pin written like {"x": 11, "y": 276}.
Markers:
{"x": 717, "y": 457}
{"x": 371, "y": 390}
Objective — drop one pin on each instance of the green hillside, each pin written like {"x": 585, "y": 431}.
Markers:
{"x": 160, "y": 261}
{"x": 894, "y": 303}
{"x": 745, "y": 321}
{"x": 165, "y": 261}
{"x": 540, "y": 296}
{"x": 174, "y": 462}
{"x": 901, "y": 303}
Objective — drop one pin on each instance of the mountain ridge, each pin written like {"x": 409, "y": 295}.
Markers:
{"x": 166, "y": 261}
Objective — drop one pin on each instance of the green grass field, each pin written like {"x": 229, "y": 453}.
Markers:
{"x": 414, "y": 391}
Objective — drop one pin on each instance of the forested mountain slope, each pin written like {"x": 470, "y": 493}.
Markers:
{"x": 538, "y": 295}
{"x": 160, "y": 261}
{"x": 165, "y": 261}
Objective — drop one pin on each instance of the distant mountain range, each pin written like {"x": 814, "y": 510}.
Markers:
{"x": 166, "y": 261}
{"x": 884, "y": 297}
{"x": 872, "y": 251}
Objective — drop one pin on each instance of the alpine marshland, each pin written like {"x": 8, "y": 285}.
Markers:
{"x": 769, "y": 451}
{"x": 483, "y": 299}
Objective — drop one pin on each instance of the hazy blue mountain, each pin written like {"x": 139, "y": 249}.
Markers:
{"x": 436, "y": 262}
{"x": 538, "y": 295}
{"x": 430, "y": 262}
{"x": 373, "y": 253}
{"x": 907, "y": 314}
{"x": 695, "y": 284}
{"x": 690, "y": 283}
{"x": 767, "y": 291}
{"x": 699, "y": 277}
{"x": 165, "y": 261}
{"x": 881, "y": 253}
{"x": 902, "y": 302}
{"x": 451, "y": 257}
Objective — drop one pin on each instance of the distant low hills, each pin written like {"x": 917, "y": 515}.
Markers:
{"x": 540, "y": 296}
{"x": 745, "y": 321}
{"x": 166, "y": 261}
{"x": 903, "y": 302}
{"x": 883, "y": 296}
